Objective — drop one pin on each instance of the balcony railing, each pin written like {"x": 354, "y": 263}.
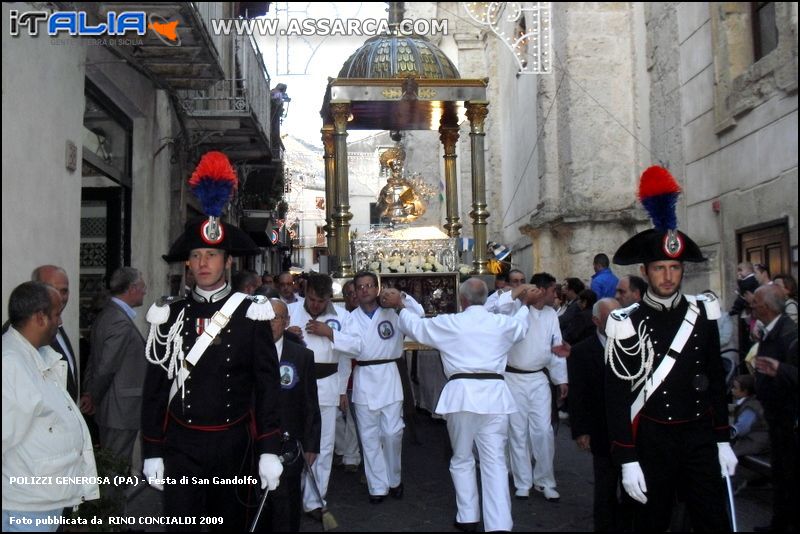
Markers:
{"x": 209, "y": 11}
{"x": 244, "y": 94}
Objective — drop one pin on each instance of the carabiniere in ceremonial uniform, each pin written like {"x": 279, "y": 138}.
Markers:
{"x": 214, "y": 378}
{"x": 665, "y": 386}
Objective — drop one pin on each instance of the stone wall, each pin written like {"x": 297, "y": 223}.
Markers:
{"x": 592, "y": 112}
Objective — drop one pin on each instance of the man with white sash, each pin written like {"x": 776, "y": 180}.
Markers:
{"x": 665, "y": 385}
{"x": 319, "y": 323}
{"x": 214, "y": 376}
{"x": 476, "y": 401}
{"x": 377, "y": 388}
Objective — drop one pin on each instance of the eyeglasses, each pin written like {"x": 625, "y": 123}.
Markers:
{"x": 362, "y": 287}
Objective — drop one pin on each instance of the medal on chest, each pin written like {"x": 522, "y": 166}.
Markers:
{"x": 200, "y": 325}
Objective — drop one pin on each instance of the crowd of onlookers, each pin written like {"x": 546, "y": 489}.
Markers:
{"x": 761, "y": 370}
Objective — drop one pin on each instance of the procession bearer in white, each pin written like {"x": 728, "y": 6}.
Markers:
{"x": 475, "y": 401}
{"x": 377, "y": 390}
{"x": 319, "y": 323}
{"x": 530, "y": 429}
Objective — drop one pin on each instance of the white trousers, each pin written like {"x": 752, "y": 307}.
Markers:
{"x": 381, "y": 434}
{"x": 489, "y": 434}
{"x": 322, "y": 466}
{"x": 346, "y": 442}
{"x": 531, "y": 431}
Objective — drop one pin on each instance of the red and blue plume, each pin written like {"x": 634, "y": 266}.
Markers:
{"x": 658, "y": 193}
{"x": 213, "y": 182}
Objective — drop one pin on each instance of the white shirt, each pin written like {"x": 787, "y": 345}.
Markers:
{"x": 325, "y": 350}
{"x": 378, "y": 338}
{"x": 43, "y": 431}
{"x": 473, "y": 341}
{"x": 297, "y": 300}
{"x": 533, "y": 352}
{"x": 65, "y": 348}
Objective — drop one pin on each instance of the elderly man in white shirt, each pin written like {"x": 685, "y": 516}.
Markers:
{"x": 319, "y": 323}
{"x": 475, "y": 401}
{"x": 377, "y": 389}
{"x": 531, "y": 427}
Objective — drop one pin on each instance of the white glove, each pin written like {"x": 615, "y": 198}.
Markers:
{"x": 727, "y": 459}
{"x": 269, "y": 470}
{"x": 153, "y": 469}
{"x": 633, "y": 481}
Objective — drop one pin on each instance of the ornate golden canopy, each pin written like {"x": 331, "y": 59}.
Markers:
{"x": 399, "y": 56}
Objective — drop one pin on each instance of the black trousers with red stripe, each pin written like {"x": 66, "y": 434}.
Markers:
{"x": 680, "y": 460}
{"x": 200, "y": 456}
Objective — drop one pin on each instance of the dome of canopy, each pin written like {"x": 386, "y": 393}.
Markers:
{"x": 399, "y": 56}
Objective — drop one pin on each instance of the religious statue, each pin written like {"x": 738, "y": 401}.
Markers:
{"x": 398, "y": 200}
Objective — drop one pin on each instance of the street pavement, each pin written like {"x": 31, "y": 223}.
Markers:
{"x": 429, "y": 501}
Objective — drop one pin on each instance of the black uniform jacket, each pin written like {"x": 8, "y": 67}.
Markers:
{"x": 236, "y": 378}
{"x": 300, "y": 415}
{"x": 778, "y": 394}
{"x": 693, "y": 390}
{"x": 587, "y": 404}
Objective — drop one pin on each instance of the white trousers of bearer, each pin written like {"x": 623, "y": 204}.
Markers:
{"x": 531, "y": 431}
{"x": 322, "y": 466}
{"x": 381, "y": 434}
{"x": 489, "y": 433}
{"x": 346, "y": 441}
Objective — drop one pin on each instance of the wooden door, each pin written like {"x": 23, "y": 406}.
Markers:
{"x": 768, "y": 245}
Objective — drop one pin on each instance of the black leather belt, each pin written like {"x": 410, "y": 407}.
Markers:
{"x": 477, "y": 376}
{"x": 324, "y": 370}
{"x": 510, "y": 369}
{"x": 375, "y": 362}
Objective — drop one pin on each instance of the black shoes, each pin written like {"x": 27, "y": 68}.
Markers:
{"x": 397, "y": 492}
{"x": 769, "y": 528}
{"x": 315, "y": 514}
{"x": 376, "y": 499}
{"x": 466, "y": 527}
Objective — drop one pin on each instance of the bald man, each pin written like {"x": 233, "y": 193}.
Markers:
{"x": 587, "y": 412}
{"x": 56, "y": 277}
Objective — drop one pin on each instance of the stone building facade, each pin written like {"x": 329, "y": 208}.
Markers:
{"x": 637, "y": 84}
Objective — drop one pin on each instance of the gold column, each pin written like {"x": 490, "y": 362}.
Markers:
{"x": 449, "y": 137}
{"x": 341, "y": 218}
{"x": 476, "y": 113}
{"x": 330, "y": 192}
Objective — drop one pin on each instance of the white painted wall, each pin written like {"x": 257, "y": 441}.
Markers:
{"x": 43, "y": 81}
{"x": 43, "y": 106}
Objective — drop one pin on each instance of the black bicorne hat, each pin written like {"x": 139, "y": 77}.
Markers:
{"x": 213, "y": 182}
{"x": 232, "y": 240}
{"x": 658, "y": 193}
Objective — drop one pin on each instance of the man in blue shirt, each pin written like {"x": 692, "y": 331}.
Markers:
{"x": 604, "y": 282}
